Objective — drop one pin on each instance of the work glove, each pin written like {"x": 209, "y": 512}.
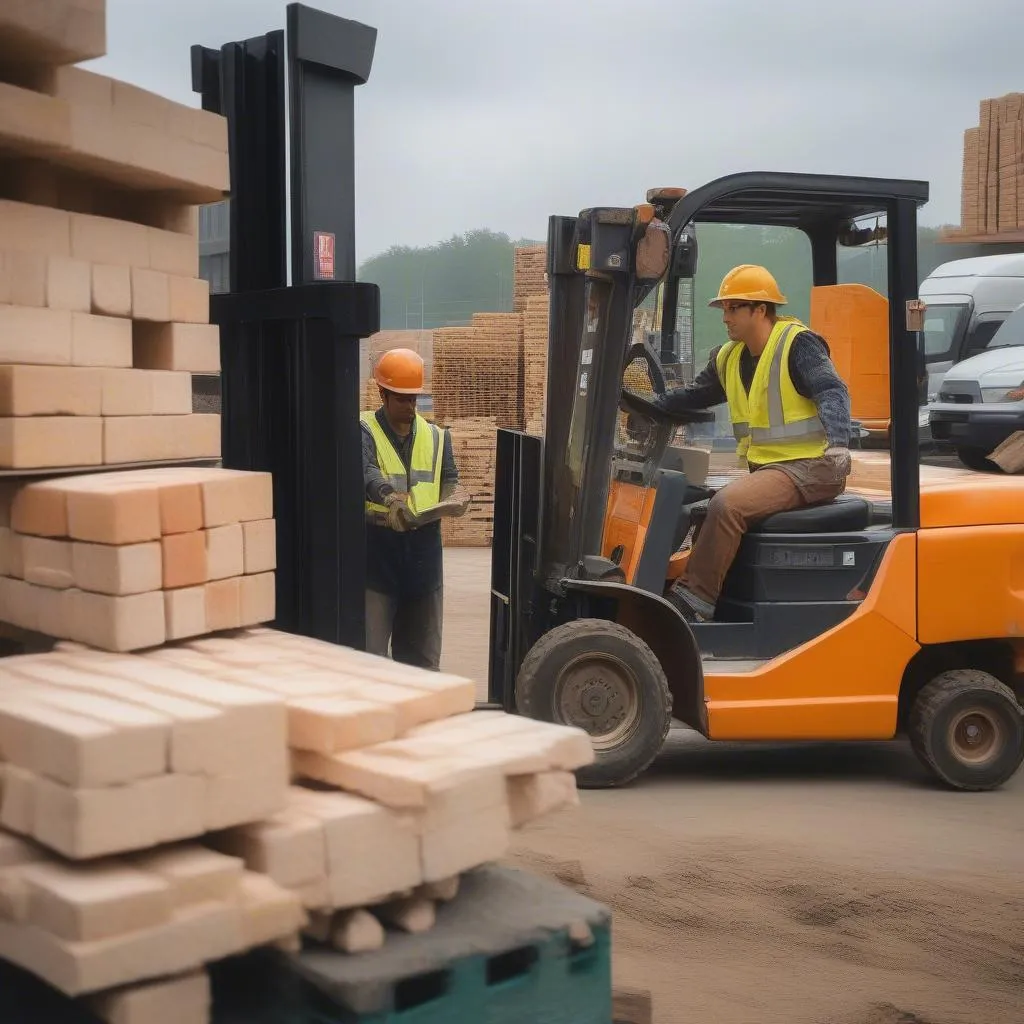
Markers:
{"x": 463, "y": 497}
{"x": 396, "y": 504}
{"x": 840, "y": 458}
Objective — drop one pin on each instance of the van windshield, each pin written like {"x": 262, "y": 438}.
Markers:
{"x": 943, "y": 325}
{"x": 1011, "y": 331}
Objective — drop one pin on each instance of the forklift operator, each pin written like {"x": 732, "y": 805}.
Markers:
{"x": 408, "y": 464}
{"x": 790, "y": 412}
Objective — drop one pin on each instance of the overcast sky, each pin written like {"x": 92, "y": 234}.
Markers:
{"x": 484, "y": 114}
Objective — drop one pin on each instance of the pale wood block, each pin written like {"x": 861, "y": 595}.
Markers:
{"x": 111, "y": 290}
{"x": 17, "y": 604}
{"x": 32, "y": 123}
{"x": 224, "y": 554}
{"x": 174, "y": 253}
{"x": 53, "y": 32}
{"x": 105, "y": 512}
{"x": 72, "y": 748}
{"x": 195, "y": 873}
{"x": 99, "y": 901}
{"x": 223, "y": 605}
{"x": 139, "y": 106}
{"x": 85, "y": 823}
{"x": 356, "y": 931}
{"x": 257, "y": 597}
{"x": 23, "y": 278}
{"x": 288, "y": 847}
{"x": 54, "y": 611}
{"x": 189, "y": 300}
{"x": 194, "y": 936}
{"x": 41, "y": 509}
{"x": 35, "y": 336}
{"x": 50, "y": 442}
{"x": 534, "y": 796}
{"x": 372, "y": 851}
{"x": 17, "y": 805}
{"x": 184, "y": 559}
{"x": 198, "y": 732}
{"x": 128, "y": 623}
{"x": 269, "y": 911}
{"x": 110, "y": 242}
{"x": 332, "y": 724}
{"x": 185, "y": 612}
{"x": 200, "y": 126}
{"x": 181, "y": 507}
{"x": 68, "y": 284}
{"x": 414, "y": 914}
{"x": 5, "y": 551}
{"x": 126, "y": 393}
{"x": 85, "y": 88}
{"x": 236, "y": 496}
{"x": 100, "y": 340}
{"x": 480, "y": 838}
{"x": 185, "y": 999}
{"x": 161, "y": 438}
{"x": 177, "y": 346}
{"x": 40, "y": 229}
{"x": 172, "y": 392}
{"x": 117, "y": 570}
{"x": 47, "y": 562}
{"x": 239, "y": 799}
{"x": 151, "y": 295}
{"x": 50, "y": 391}
{"x": 444, "y": 890}
{"x": 259, "y": 546}
{"x": 15, "y": 851}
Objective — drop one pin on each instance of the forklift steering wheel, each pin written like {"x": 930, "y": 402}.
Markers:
{"x": 631, "y": 402}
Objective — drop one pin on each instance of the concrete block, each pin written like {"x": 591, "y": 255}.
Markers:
{"x": 108, "y": 512}
{"x": 35, "y": 336}
{"x": 151, "y": 295}
{"x": 185, "y": 612}
{"x": 189, "y": 300}
{"x": 100, "y": 340}
{"x": 117, "y": 570}
{"x": 223, "y": 605}
{"x": 177, "y": 346}
{"x": 111, "y": 290}
{"x": 47, "y": 562}
{"x": 257, "y": 599}
{"x": 185, "y": 999}
{"x": 50, "y": 442}
{"x": 99, "y": 901}
{"x": 185, "y": 559}
{"x": 259, "y": 545}
{"x": 128, "y": 623}
{"x": 224, "y": 553}
{"x": 49, "y": 391}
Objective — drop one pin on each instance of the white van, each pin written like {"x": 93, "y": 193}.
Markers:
{"x": 967, "y": 301}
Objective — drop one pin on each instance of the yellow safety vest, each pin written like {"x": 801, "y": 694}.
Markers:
{"x": 423, "y": 481}
{"x": 774, "y": 423}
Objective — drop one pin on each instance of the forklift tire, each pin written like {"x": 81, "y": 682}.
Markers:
{"x": 977, "y": 459}
{"x": 968, "y": 729}
{"x": 598, "y": 676}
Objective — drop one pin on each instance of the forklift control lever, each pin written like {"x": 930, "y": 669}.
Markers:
{"x": 632, "y": 402}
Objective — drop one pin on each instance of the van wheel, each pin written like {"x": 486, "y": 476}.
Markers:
{"x": 968, "y": 729}
{"x": 976, "y": 459}
{"x": 600, "y": 677}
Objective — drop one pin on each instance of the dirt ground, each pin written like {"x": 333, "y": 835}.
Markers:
{"x": 764, "y": 884}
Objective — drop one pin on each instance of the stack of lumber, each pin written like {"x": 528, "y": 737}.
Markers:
{"x": 474, "y": 446}
{"x": 149, "y": 825}
{"x": 992, "y": 193}
{"x": 535, "y": 360}
{"x": 127, "y": 560}
{"x": 529, "y": 266}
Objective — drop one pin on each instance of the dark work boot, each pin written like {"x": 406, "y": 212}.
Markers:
{"x": 690, "y": 606}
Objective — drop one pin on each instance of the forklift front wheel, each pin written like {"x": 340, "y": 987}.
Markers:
{"x": 600, "y": 677}
{"x": 968, "y": 729}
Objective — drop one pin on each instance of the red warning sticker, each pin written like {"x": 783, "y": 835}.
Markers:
{"x": 323, "y": 255}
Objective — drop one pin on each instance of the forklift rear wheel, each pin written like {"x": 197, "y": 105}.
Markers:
{"x": 976, "y": 459}
{"x": 967, "y": 727}
{"x": 602, "y": 678}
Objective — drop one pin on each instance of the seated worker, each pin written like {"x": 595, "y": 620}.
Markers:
{"x": 408, "y": 463}
{"x": 790, "y": 412}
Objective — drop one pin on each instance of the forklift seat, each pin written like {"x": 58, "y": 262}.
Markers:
{"x": 848, "y": 513}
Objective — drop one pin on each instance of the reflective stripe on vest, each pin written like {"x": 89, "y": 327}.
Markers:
{"x": 774, "y": 423}
{"x": 423, "y": 480}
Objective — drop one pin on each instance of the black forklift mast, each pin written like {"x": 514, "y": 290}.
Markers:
{"x": 290, "y": 351}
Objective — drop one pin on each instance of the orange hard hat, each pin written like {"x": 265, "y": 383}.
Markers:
{"x": 749, "y": 283}
{"x": 400, "y": 370}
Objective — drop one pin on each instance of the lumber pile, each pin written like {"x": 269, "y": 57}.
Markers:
{"x": 529, "y": 269}
{"x": 992, "y": 192}
{"x": 535, "y": 360}
{"x": 474, "y": 447}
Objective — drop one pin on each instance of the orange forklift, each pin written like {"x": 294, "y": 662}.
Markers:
{"x": 850, "y": 620}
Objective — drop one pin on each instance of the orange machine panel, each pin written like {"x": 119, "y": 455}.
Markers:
{"x": 970, "y": 583}
{"x": 845, "y": 684}
{"x": 972, "y": 499}
{"x": 629, "y": 512}
{"x": 854, "y": 320}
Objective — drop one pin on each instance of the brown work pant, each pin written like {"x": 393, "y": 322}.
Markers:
{"x": 744, "y": 501}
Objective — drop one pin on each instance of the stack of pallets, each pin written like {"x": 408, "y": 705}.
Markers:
{"x": 992, "y": 191}
{"x": 528, "y": 275}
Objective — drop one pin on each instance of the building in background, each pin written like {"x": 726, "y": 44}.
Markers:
{"x": 214, "y": 266}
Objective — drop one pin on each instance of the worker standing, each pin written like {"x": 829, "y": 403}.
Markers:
{"x": 408, "y": 466}
{"x": 790, "y": 412}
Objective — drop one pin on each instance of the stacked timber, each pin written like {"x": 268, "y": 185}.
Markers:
{"x": 992, "y": 189}
{"x": 535, "y": 362}
{"x": 529, "y": 268}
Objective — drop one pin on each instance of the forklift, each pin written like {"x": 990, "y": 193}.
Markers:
{"x": 849, "y": 620}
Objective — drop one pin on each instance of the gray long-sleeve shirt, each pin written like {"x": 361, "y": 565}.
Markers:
{"x": 813, "y": 373}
